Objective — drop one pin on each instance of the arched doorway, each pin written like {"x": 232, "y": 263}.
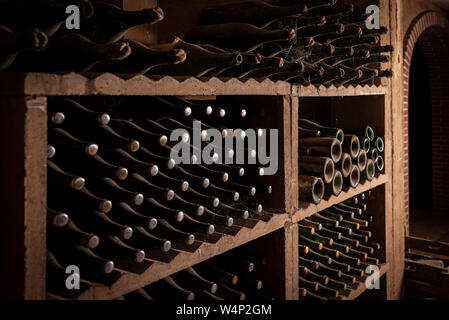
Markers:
{"x": 426, "y": 122}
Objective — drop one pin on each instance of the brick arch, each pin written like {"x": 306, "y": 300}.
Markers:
{"x": 431, "y": 30}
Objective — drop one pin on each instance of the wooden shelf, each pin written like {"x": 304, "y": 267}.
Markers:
{"x": 308, "y": 209}
{"x": 361, "y": 288}
{"x": 332, "y": 91}
{"x": 130, "y": 281}
{"x": 57, "y": 84}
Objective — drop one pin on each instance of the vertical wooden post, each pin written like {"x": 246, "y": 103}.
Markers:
{"x": 23, "y": 128}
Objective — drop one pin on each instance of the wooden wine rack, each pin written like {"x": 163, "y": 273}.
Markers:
{"x": 23, "y": 131}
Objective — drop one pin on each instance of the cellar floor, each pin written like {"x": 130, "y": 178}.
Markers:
{"x": 429, "y": 225}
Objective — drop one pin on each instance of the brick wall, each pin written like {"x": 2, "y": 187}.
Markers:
{"x": 431, "y": 31}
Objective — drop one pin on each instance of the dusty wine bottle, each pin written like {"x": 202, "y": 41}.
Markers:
{"x": 142, "y": 59}
{"x": 320, "y": 166}
{"x": 71, "y": 52}
{"x": 54, "y": 173}
{"x": 255, "y": 12}
{"x": 109, "y": 23}
{"x": 67, "y": 143}
{"x": 327, "y": 147}
{"x": 12, "y": 43}
{"x": 123, "y": 213}
{"x": 76, "y": 114}
{"x": 239, "y": 36}
{"x": 310, "y": 189}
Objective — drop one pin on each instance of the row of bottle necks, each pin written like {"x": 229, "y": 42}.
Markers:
{"x": 330, "y": 159}
{"x": 312, "y": 47}
{"x": 338, "y": 249}
{"x": 236, "y": 275}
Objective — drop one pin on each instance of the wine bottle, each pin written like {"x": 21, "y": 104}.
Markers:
{"x": 12, "y": 43}
{"x": 363, "y": 62}
{"x": 54, "y": 173}
{"x": 325, "y": 131}
{"x": 131, "y": 129}
{"x": 255, "y": 12}
{"x": 46, "y": 15}
{"x": 67, "y": 143}
{"x": 143, "y": 168}
{"x": 361, "y": 160}
{"x": 308, "y": 133}
{"x": 160, "y": 161}
{"x": 309, "y": 285}
{"x": 335, "y": 186}
{"x": 329, "y": 233}
{"x": 328, "y": 271}
{"x": 100, "y": 223}
{"x": 107, "y": 187}
{"x": 167, "y": 288}
{"x": 51, "y": 151}
{"x": 348, "y": 19}
{"x": 124, "y": 214}
{"x": 312, "y": 265}
{"x": 139, "y": 183}
{"x": 345, "y": 165}
{"x": 71, "y": 52}
{"x": 239, "y": 36}
{"x": 245, "y": 70}
{"x": 177, "y": 185}
{"x": 379, "y": 163}
{"x": 57, "y": 218}
{"x": 310, "y": 189}
{"x": 193, "y": 225}
{"x": 82, "y": 199}
{"x": 76, "y": 114}
{"x": 353, "y": 178}
{"x": 351, "y": 145}
{"x": 369, "y": 172}
{"x": 356, "y": 42}
{"x": 327, "y": 147}
{"x": 324, "y": 221}
{"x": 305, "y": 222}
{"x": 318, "y": 31}
{"x": 217, "y": 274}
{"x": 70, "y": 233}
{"x": 110, "y": 23}
{"x": 148, "y": 242}
{"x": 91, "y": 264}
{"x": 142, "y": 59}
{"x": 189, "y": 278}
{"x": 319, "y": 166}
{"x": 95, "y": 166}
{"x": 231, "y": 211}
{"x": 108, "y": 138}
{"x": 156, "y": 209}
{"x": 113, "y": 247}
{"x": 229, "y": 293}
{"x": 199, "y": 61}
{"x": 331, "y": 10}
{"x": 363, "y": 132}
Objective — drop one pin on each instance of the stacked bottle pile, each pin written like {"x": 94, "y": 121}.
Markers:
{"x": 331, "y": 159}
{"x": 34, "y": 37}
{"x": 300, "y": 41}
{"x": 232, "y": 276}
{"x": 116, "y": 196}
{"x": 335, "y": 249}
